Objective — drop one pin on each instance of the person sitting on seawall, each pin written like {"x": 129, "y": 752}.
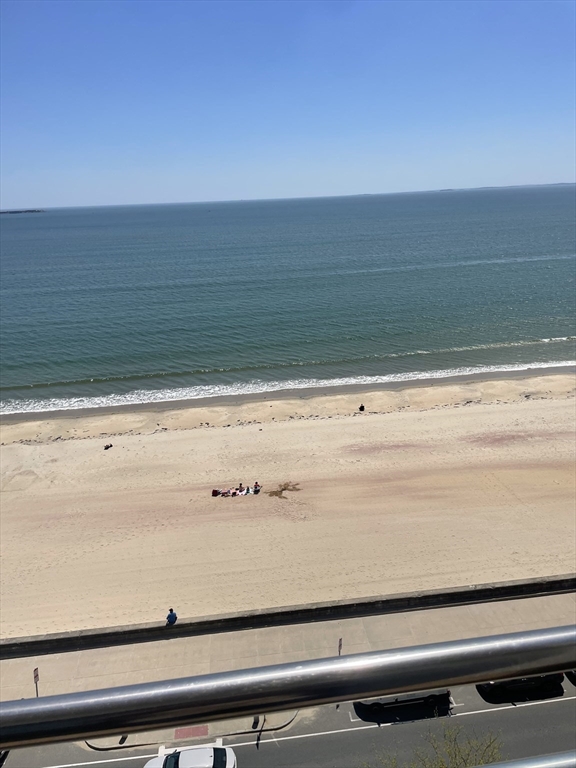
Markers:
{"x": 172, "y": 618}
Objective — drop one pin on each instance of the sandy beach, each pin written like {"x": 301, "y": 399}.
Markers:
{"x": 432, "y": 486}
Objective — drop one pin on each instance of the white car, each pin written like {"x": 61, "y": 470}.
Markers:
{"x": 208, "y": 756}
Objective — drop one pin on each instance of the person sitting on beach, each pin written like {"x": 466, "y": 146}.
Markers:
{"x": 241, "y": 490}
{"x": 257, "y": 487}
{"x": 171, "y": 619}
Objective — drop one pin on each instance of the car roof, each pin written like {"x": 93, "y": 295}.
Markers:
{"x": 195, "y": 757}
{"x": 203, "y": 757}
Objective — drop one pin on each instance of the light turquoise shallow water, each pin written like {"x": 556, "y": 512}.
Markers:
{"x": 139, "y": 303}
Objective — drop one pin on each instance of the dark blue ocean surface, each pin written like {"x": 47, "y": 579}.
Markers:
{"x": 140, "y": 303}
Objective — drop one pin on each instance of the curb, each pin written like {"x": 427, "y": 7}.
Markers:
{"x": 82, "y": 640}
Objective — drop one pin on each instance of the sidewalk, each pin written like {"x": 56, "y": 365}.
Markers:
{"x": 184, "y": 657}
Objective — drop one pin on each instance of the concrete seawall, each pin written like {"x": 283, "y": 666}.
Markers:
{"x": 300, "y": 614}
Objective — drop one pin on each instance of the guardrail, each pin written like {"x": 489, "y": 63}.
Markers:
{"x": 558, "y": 760}
{"x": 203, "y": 699}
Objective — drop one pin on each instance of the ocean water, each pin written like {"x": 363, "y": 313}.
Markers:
{"x": 116, "y": 305}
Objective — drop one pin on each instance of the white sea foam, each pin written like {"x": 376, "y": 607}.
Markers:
{"x": 497, "y": 345}
{"x": 452, "y": 264}
{"x": 141, "y": 396}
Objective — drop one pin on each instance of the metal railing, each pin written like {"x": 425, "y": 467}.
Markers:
{"x": 558, "y": 760}
{"x": 203, "y": 699}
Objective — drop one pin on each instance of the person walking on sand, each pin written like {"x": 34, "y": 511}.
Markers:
{"x": 172, "y": 618}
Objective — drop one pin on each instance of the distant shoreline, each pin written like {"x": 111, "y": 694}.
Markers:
{"x": 282, "y": 394}
{"x": 301, "y": 197}
{"x": 27, "y": 210}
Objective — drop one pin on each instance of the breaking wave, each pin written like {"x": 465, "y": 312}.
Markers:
{"x": 141, "y": 396}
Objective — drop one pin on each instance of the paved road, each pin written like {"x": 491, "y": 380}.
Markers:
{"x": 335, "y": 737}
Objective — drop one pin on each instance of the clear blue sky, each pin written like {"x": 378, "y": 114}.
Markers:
{"x": 166, "y": 100}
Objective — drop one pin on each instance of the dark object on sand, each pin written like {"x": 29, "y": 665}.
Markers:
{"x": 288, "y": 486}
{"x": 108, "y": 445}
{"x": 361, "y": 408}
{"x": 216, "y": 492}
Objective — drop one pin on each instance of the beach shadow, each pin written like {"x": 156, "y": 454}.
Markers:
{"x": 515, "y": 691}
{"x": 282, "y": 487}
{"x": 404, "y": 710}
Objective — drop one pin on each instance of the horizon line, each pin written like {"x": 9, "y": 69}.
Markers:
{"x": 304, "y": 197}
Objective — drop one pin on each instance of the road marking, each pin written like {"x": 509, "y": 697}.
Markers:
{"x": 276, "y": 739}
{"x": 384, "y": 725}
{"x": 290, "y": 738}
{"x": 104, "y": 762}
